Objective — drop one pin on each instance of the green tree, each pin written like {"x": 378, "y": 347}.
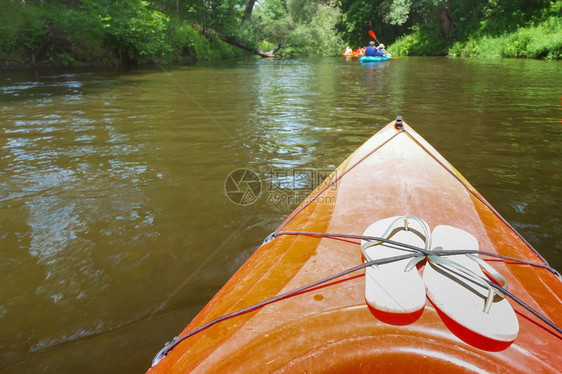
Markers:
{"x": 132, "y": 27}
{"x": 399, "y": 11}
{"x": 301, "y": 26}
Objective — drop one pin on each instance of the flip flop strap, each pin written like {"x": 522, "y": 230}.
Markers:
{"x": 489, "y": 270}
{"x": 393, "y": 225}
{"x": 447, "y": 263}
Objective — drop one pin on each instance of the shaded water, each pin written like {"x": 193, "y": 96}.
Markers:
{"x": 115, "y": 228}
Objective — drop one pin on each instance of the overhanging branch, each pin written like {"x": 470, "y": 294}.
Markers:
{"x": 240, "y": 44}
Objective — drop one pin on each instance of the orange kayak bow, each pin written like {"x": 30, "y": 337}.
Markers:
{"x": 299, "y": 303}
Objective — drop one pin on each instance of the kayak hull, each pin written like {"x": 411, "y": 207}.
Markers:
{"x": 330, "y": 328}
{"x": 369, "y": 59}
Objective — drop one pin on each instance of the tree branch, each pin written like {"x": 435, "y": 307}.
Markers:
{"x": 240, "y": 44}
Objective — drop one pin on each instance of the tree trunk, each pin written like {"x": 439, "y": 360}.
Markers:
{"x": 248, "y": 11}
{"x": 240, "y": 44}
{"x": 446, "y": 18}
{"x": 249, "y": 48}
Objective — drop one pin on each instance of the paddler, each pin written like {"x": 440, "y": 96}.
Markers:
{"x": 381, "y": 50}
{"x": 371, "y": 50}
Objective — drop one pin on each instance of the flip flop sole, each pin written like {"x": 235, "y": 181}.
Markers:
{"x": 461, "y": 299}
{"x": 388, "y": 287}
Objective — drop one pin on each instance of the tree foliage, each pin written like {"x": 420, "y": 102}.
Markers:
{"x": 136, "y": 31}
{"x": 431, "y": 27}
{"x": 131, "y": 27}
{"x": 399, "y": 12}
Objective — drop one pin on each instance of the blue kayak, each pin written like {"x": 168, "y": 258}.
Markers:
{"x": 367, "y": 59}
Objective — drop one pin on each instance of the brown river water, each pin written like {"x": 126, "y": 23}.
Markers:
{"x": 117, "y": 219}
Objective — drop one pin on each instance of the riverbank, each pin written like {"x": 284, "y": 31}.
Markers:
{"x": 131, "y": 33}
{"x": 99, "y": 34}
{"x": 540, "y": 41}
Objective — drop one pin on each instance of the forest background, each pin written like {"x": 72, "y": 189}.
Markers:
{"x": 36, "y": 33}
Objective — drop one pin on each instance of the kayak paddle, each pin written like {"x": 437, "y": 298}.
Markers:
{"x": 372, "y": 33}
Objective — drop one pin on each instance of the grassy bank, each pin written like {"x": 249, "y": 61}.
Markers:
{"x": 543, "y": 40}
{"x": 537, "y": 41}
{"x": 424, "y": 41}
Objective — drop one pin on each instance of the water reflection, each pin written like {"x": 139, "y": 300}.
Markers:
{"x": 115, "y": 227}
{"x": 70, "y": 175}
{"x": 283, "y": 110}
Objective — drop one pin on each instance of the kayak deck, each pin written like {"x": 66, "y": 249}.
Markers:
{"x": 329, "y": 327}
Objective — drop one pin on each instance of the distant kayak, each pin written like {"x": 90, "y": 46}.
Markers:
{"x": 367, "y": 59}
{"x": 355, "y": 53}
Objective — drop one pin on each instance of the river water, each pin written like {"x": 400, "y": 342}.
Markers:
{"x": 117, "y": 221}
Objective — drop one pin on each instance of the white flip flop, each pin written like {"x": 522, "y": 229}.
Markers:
{"x": 456, "y": 287}
{"x": 390, "y": 287}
